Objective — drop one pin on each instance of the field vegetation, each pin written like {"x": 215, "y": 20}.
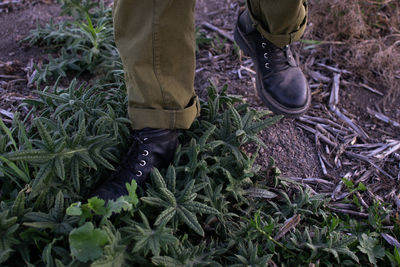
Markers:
{"x": 215, "y": 206}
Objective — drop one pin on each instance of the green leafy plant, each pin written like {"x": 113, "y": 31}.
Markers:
{"x": 86, "y": 44}
{"x": 8, "y": 227}
{"x": 86, "y": 242}
{"x": 215, "y": 206}
{"x": 324, "y": 244}
{"x": 187, "y": 254}
{"x": 55, "y": 219}
{"x": 370, "y": 246}
{"x": 248, "y": 255}
{"x": 148, "y": 239}
{"x": 98, "y": 207}
{"x": 201, "y": 39}
{"x": 352, "y": 189}
{"x": 177, "y": 205}
{"x": 114, "y": 252}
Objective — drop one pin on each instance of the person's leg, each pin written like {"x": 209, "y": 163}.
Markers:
{"x": 155, "y": 39}
{"x": 264, "y": 31}
{"x": 282, "y": 22}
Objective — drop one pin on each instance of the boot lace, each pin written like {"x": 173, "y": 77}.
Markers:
{"x": 132, "y": 159}
{"x": 274, "y": 55}
{"x": 129, "y": 163}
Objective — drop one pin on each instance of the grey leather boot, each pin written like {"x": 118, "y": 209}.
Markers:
{"x": 281, "y": 84}
{"x": 151, "y": 148}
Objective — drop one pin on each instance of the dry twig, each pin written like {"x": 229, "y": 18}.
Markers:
{"x": 383, "y": 117}
{"x": 351, "y": 212}
{"x": 219, "y": 31}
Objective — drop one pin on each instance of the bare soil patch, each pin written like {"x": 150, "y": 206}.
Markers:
{"x": 17, "y": 59}
{"x": 16, "y": 25}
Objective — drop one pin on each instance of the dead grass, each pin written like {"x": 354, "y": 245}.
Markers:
{"x": 370, "y": 32}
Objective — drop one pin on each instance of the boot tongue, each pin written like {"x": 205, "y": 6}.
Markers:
{"x": 150, "y": 135}
{"x": 282, "y": 57}
{"x": 290, "y": 57}
{"x": 149, "y": 132}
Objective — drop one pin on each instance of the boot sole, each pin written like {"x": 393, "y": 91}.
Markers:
{"x": 266, "y": 98}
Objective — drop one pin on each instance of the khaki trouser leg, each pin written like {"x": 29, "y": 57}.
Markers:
{"x": 280, "y": 21}
{"x": 156, "y": 42}
{"x": 155, "y": 39}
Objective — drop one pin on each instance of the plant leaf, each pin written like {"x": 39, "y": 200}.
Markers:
{"x": 86, "y": 242}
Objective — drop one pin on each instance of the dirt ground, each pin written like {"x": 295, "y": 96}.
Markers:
{"x": 322, "y": 146}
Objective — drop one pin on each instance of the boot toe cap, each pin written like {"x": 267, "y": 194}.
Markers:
{"x": 288, "y": 88}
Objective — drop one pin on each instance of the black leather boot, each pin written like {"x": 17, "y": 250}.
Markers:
{"x": 151, "y": 148}
{"x": 280, "y": 82}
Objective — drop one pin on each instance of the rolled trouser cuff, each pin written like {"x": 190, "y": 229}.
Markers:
{"x": 280, "y": 40}
{"x": 164, "y": 118}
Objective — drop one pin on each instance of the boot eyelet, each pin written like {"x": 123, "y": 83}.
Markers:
{"x": 142, "y": 163}
{"x": 266, "y": 55}
{"x": 266, "y": 65}
{"x": 264, "y": 45}
{"x": 145, "y": 153}
{"x": 139, "y": 173}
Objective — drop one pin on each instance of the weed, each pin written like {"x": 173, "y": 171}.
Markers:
{"x": 86, "y": 44}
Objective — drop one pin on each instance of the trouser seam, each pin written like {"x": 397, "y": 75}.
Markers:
{"x": 156, "y": 50}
